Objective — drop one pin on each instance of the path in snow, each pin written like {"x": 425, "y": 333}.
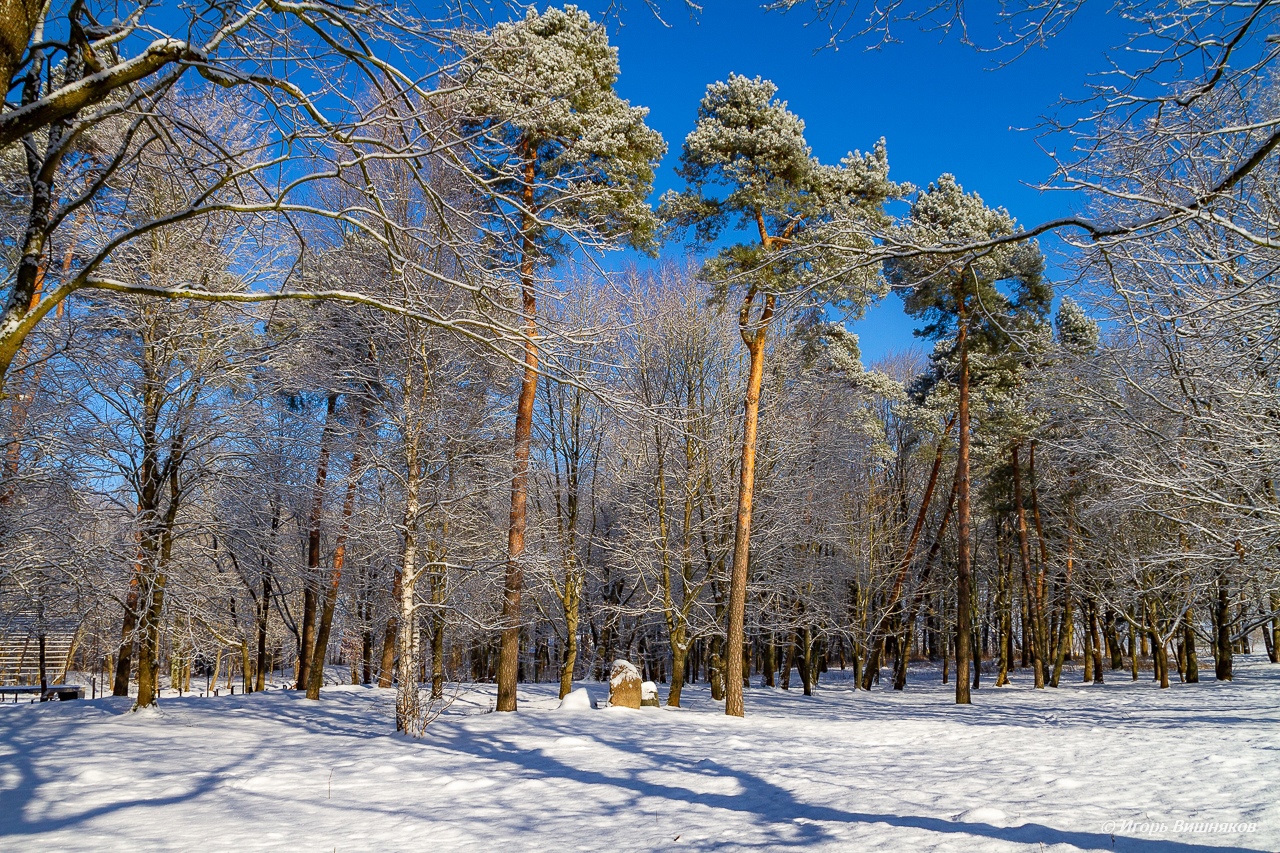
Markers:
{"x": 1078, "y": 768}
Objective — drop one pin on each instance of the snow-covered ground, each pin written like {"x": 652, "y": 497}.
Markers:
{"x": 1120, "y": 767}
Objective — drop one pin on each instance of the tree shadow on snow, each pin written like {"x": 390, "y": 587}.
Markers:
{"x": 35, "y": 758}
{"x": 781, "y": 819}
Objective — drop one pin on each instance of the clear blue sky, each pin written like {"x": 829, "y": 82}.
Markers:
{"x": 941, "y": 106}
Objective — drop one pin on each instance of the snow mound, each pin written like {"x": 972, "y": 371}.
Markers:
{"x": 984, "y": 814}
{"x": 577, "y": 700}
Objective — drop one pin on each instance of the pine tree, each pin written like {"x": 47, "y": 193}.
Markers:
{"x": 747, "y": 165}
{"x": 566, "y": 163}
{"x": 962, "y": 296}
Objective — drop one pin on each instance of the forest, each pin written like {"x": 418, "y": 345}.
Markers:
{"x": 347, "y": 342}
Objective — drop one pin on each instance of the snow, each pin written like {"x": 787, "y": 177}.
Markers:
{"x": 1124, "y": 767}
{"x": 577, "y": 700}
{"x": 622, "y": 671}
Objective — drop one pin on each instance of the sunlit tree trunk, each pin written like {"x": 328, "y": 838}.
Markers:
{"x": 1189, "y": 645}
{"x": 735, "y": 636}
{"x": 1095, "y": 643}
{"x": 437, "y": 583}
{"x": 386, "y": 670}
{"x": 124, "y": 657}
{"x": 1049, "y": 633}
{"x": 509, "y": 649}
{"x": 409, "y": 717}
{"x": 263, "y": 616}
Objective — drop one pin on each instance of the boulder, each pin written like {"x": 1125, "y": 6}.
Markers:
{"x": 649, "y": 695}
{"x": 624, "y": 685}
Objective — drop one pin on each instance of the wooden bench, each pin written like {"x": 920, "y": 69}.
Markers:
{"x": 53, "y": 691}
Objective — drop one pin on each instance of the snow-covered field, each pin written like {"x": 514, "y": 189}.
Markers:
{"x": 1116, "y": 767}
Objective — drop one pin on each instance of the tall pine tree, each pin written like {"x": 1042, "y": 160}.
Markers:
{"x": 970, "y": 298}
{"x": 565, "y": 163}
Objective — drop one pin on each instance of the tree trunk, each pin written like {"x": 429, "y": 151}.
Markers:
{"x": 1275, "y": 628}
{"x": 509, "y": 649}
{"x": 679, "y": 652}
{"x": 158, "y": 546}
{"x": 1049, "y": 633}
{"x": 437, "y": 583}
{"x": 124, "y": 658}
{"x": 739, "y": 576}
{"x": 804, "y": 640}
{"x": 1189, "y": 645}
{"x": 1004, "y": 604}
{"x": 1112, "y": 635}
{"x": 386, "y": 671}
{"x": 307, "y": 640}
{"x": 892, "y": 614}
{"x": 149, "y": 649}
{"x": 922, "y": 585}
{"x": 316, "y": 678}
{"x": 409, "y": 716}
{"x": 1159, "y": 653}
{"x": 20, "y": 309}
{"x": 1066, "y": 631}
{"x": 964, "y": 643}
{"x": 149, "y": 486}
{"x": 1222, "y": 651}
{"x": 1160, "y": 656}
{"x": 1095, "y": 643}
{"x": 1029, "y": 590}
{"x": 1133, "y": 647}
{"x": 264, "y": 615}
{"x": 1087, "y": 675}
{"x": 572, "y": 610}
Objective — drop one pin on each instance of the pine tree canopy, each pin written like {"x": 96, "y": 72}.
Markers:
{"x": 747, "y": 166}
{"x": 539, "y": 96}
{"x": 996, "y": 287}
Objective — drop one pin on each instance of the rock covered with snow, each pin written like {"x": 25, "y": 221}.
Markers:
{"x": 624, "y": 685}
{"x": 577, "y": 700}
{"x": 649, "y": 695}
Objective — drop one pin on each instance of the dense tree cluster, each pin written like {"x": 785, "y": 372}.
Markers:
{"x": 309, "y": 360}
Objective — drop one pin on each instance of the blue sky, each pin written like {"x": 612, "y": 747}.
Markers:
{"x": 941, "y": 105}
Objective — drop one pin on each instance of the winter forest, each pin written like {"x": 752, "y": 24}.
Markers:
{"x": 368, "y": 368}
